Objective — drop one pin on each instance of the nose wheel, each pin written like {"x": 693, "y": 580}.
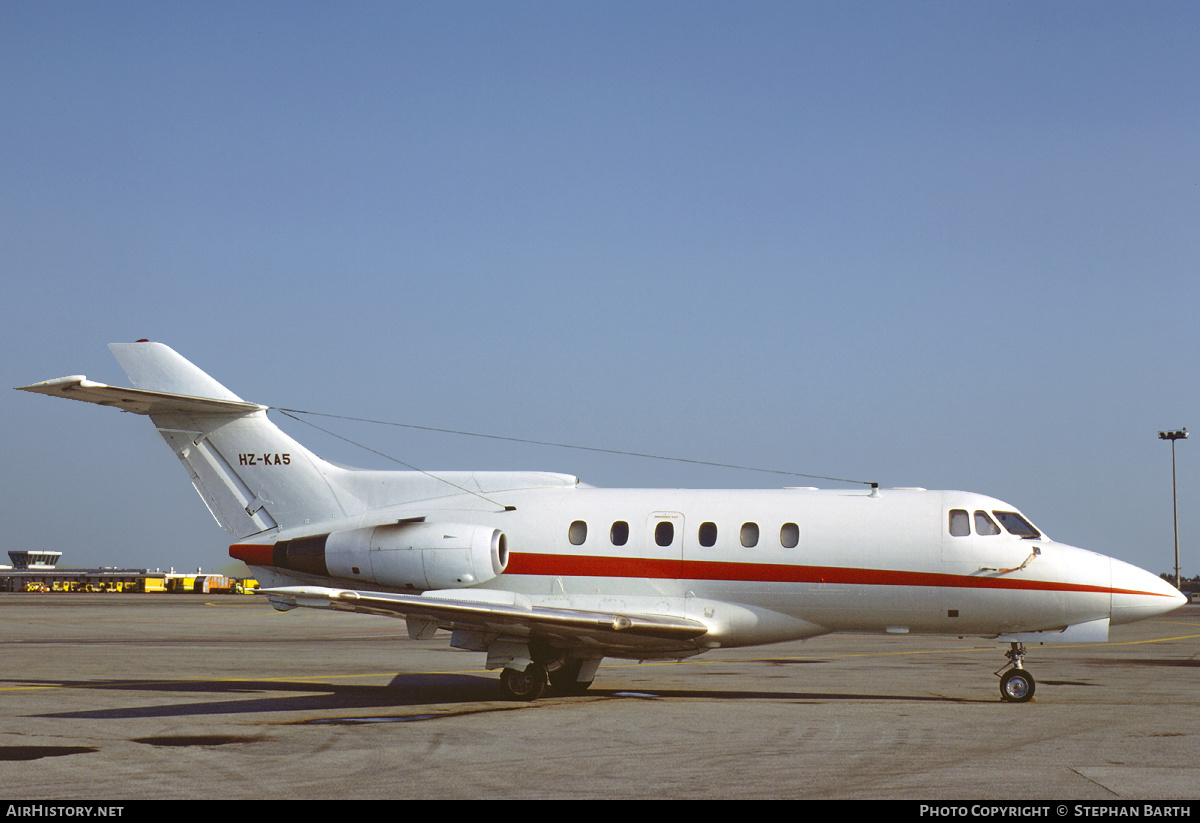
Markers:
{"x": 1016, "y": 684}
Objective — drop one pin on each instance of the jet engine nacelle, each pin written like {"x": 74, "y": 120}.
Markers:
{"x": 415, "y": 555}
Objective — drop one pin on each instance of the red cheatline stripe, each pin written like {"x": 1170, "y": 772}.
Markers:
{"x": 594, "y": 566}
{"x": 587, "y": 566}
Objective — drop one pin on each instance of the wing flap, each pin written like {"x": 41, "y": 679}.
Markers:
{"x": 491, "y": 616}
{"x": 138, "y": 401}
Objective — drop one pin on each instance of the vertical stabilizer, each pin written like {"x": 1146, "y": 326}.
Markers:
{"x": 159, "y": 368}
{"x": 253, "y": 477}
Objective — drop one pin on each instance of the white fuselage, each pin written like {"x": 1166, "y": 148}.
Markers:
{"x": 763, "y": 566}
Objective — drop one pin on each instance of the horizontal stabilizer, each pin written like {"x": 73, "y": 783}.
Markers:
{"x": 138, "y": 401}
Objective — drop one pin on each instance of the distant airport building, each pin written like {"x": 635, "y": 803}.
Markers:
{"x": 37, "y": 571}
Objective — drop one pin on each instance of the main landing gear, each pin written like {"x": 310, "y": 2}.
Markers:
{"x": 565, "y": 678}
{"x": 529, "y": 684}
{"x": 561, "y": 677}
{"x": 1016, "y": 684}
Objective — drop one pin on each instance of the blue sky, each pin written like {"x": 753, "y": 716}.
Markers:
{"x": 950, "y": 245}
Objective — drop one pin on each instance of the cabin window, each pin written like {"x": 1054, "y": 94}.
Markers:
{"x": 1014, "y": 523}
{"x": 749, "y": 535}
{"x": 984, "y": 524}
{"x": 577, "y": 533}
{"x": 960, "y": 523}
{"x": 619, "y": 533}
{"x": 708, "y": 535}
{"x": 664, "y": 533}
{"x": 789, "y": 535}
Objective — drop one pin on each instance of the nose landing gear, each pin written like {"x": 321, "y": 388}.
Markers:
{"x": 1016, "y": 684}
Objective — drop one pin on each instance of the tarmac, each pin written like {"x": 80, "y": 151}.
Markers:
{"x": 166, "y": 697}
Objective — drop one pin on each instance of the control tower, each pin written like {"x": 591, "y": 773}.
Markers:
{"x": 24, "y": 560}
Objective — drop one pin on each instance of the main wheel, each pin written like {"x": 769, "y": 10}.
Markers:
{"x": 526, "y": 685}
{"x": 1016, "y": 686}
{"x": 565, "y": 679}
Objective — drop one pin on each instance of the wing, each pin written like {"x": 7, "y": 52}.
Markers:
{"x": 494, "y": 613}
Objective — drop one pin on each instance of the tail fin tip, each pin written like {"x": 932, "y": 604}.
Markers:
{"x": 158, "y": 367}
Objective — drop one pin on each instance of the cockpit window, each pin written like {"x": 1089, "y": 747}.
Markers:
{"x": 984, "y": 524}
{"x": 1014, "y": 523}
{"x": 960, "y": 523}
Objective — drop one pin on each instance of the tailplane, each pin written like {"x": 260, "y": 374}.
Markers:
{"x": 252, "y": 476}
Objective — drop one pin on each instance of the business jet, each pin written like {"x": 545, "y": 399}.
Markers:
{"x": 548, "y": 575}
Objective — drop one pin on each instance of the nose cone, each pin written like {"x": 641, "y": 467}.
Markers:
{"x": 1138, "y": 594}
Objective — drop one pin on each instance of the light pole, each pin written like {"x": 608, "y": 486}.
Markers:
{"x": 1173, "y": 436}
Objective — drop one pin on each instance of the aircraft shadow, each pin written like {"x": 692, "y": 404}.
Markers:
{"x": 281, "y": 697}
{"x": 273, "y": 696}
{"x": 1169, "y": 662}
{"x": 791, "y": 697}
